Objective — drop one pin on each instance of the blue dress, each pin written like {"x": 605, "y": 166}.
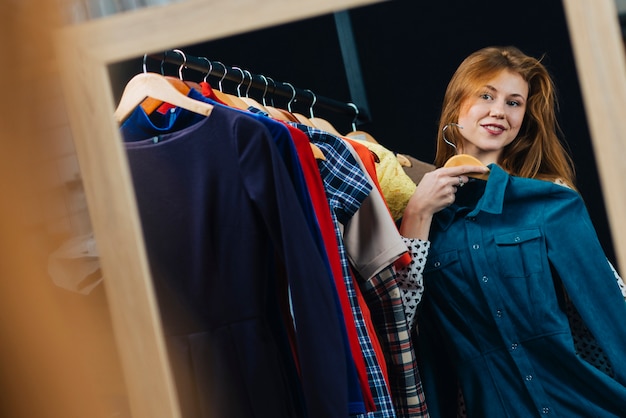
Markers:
{"x": 234, "y": 263}
{"x": 503, "y": 260}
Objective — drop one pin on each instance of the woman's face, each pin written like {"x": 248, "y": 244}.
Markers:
{"x": 492, "y": 118}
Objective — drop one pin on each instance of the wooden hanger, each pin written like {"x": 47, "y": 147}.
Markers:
{"x": 227, "y": 99}
{"x": 271, "y": 109}
{"x": 194, "y": 85}
{"x": 324, "y": 125}
{"x": 319, "y": 123}
{"x": 283, "y": 115}
{"x": 466, "y": 159}
{"x": 287, "y": 116}
{"x": 317, "y": 152}
{"x": 303, "y": 120}
{"x": 362, "y": 135}
{"x": 404, "y": 162}
{"x": 294, "y": 116}
{"x": 158, "y": 87}
{"x": 150, "y": 104}
{"x": 276, "y": 114}
{"x": 236, "y": 101}
{"x": 462, "y": 159}
{"x": 356, "y": 134}
{"x": 249, "y": 100}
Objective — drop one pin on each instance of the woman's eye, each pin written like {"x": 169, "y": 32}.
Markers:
{"x": 514, "y": 103}
{"x": 485, "y": 96}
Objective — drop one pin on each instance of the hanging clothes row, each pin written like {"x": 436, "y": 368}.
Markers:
{"x": 264, "y": 85}
{"x": 275, "y": 270}
{"x": 397, "y": 173}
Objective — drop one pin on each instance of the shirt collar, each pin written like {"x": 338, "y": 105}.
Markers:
{"x": 491, "y": 201}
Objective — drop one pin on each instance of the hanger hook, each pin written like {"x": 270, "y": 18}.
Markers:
{"x": 219, "y": 83}
{"x": 163, "y": 64}
{"x": 312, "y": 102}
{"x": 265, "y": 89}
{"x": 356, "y": 115}
{"x": 145, "y": 67}
{"x": 293, "y": 96}
{"x": 273, "y": 90}
{"x": 443, "y": 134}
{"x": 208, "y": 72}
{"x": 250, "y": 83}
{"x": 243, "y": 78}
{"x": 183, "y": 65}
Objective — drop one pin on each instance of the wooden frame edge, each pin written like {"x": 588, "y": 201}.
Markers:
{"x": 86, "y": 50}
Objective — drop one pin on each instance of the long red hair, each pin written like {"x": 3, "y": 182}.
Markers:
{"x": 537, "y": 151}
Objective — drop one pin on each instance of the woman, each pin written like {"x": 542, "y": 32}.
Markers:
{"x": 506, "y": 258}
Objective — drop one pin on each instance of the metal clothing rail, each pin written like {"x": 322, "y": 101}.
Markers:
{"x": 264, "y": 84}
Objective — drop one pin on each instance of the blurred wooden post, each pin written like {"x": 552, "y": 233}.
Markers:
{"x": 599, "y": 53}
{"x": 44, "y": 369}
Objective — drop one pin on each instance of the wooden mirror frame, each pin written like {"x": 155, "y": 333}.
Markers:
{"x": 85, "y": 52}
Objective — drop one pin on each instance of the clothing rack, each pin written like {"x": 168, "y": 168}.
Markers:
{"x": 247, "y": 80}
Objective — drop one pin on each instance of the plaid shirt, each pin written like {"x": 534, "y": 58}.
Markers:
{"x": 346, "y": 188}
{"x": 383, "y": 297}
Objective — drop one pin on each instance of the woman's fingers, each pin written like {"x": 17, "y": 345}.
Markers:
{"x": 464, "y": 170}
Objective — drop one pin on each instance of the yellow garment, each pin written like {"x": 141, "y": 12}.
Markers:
{"x": 396, "y": 185}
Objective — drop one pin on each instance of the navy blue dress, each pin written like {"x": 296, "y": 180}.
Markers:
{"x": 223, "y": 226}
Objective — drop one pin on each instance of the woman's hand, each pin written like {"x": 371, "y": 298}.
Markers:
{"x": 435, "y": 191}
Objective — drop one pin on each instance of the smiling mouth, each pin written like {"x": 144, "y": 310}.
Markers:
{"x": 493, "y": 129}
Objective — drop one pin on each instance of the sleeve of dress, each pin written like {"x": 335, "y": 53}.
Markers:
{"x": 411, "y": 277}
{"x": 590, "y": 284}
{"x": 620, "y": 281}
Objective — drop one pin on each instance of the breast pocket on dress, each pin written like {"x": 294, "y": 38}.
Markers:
{"x": 520, "y": 252}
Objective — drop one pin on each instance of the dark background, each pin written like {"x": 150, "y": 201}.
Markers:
{"x": 407, "y": 52}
